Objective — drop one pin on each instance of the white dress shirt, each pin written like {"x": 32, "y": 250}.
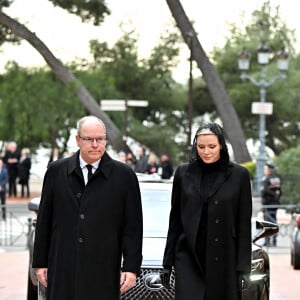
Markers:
{"x": 84, "y": 168}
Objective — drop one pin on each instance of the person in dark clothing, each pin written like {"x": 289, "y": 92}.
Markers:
{"x": 152, "y": 164}
{"x": 166, "y": 167}
{"x": 3, "y": 183}
{"x": 24, "y": 172}
{"x": 142, "y": 161}
{"x": 89, "y": 230}
{"x": 55, "y": 155}
{"x": 270, "y": 195}
{"x": 11, "y": 161}
{"x": 209, "y": 236}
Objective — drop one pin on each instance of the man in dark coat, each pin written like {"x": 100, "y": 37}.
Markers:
{"x": 88, "y": 224}
{"x": 11, "y": 160}
{"x": 3, "y": 183}
{"x": 270, "y": 195}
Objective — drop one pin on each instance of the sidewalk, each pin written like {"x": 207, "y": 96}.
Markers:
{"x": 284, "y": 283}
{"x": 35, "y": 185}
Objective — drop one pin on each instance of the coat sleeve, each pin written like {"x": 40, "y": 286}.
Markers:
{"x": 175, "y": 226}
{"x": 244, "y": 225}
{"x": 132, "y": 227}
{"x": 44, "y": 224}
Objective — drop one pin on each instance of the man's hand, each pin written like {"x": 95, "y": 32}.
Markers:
{"x": 165, "y": 277}
{"x": 41, "y": 274}
{"x": 127, "y": 281}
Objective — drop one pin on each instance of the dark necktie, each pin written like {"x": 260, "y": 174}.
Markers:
{"x": 90, "y": 173}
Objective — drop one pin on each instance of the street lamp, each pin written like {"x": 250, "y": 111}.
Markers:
{"x": 262, "y": 108}
{"x": 190, "y": 36}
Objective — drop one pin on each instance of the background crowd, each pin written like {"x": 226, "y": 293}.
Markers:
{"x": 148, "y": 163}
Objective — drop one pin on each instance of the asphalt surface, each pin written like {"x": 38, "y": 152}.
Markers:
{"x": 14, "y": 264}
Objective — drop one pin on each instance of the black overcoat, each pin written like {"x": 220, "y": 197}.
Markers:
{"x": 83, "y": 231}
{"x": 228, "y": 233}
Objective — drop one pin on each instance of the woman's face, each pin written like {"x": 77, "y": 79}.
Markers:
{"x": 208, "y": 148}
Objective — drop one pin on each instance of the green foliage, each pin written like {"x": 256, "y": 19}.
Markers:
{"x": 266, "y": 26}
{"x": 145, "y": 79}
{"x": 35, "y": 108}
{"x": 5, "y": 3}
{"x": 288, "y": 166}
{"x": 251, "y": 166}
{"x": 92, "y": 10}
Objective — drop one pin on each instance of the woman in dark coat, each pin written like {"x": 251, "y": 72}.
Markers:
{"x": 85, "y": 227}
{"x": 209, "y": 237}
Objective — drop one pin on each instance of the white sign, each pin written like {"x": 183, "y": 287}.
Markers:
{"x": 262, "y": 108}
{"x": 112, "y": 105}
{"x": 120, "y": 105}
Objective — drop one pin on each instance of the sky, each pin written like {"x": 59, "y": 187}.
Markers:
{"x": 68, "y": 38}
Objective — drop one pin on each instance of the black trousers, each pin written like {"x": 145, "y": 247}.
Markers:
{"x": 270, "y": 216}
{"x": 3, "y": 203}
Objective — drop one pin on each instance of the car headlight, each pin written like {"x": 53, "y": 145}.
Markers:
{"x": 257, "y": 269}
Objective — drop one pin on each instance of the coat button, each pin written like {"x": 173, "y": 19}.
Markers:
{"x": 217, "y": 221}
{"x": 78, "y": 195}
{"x": 216, "y": 202}
{"x": 216, "y": 239}
{"x": 81, "y": 216}
{"x": 216, "y": 259}
{"x": 80, "y": 240}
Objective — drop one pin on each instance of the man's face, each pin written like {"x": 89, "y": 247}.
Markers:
{"x": 91, "y": 141}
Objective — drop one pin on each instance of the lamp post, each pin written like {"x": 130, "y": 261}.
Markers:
{"x": 262, "y": 108}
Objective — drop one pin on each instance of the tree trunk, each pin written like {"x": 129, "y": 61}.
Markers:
{"x": 68, "y": 78}
{"x": 224, "y": 107}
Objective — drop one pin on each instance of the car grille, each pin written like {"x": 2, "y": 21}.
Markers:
{"x": 148, "y": 286}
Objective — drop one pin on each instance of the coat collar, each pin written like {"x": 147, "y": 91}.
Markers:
{"x": 104, "y": 168}
{"x": 194, "y": 175}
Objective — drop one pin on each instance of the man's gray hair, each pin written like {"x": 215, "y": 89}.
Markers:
{"x": 81, "y": 121}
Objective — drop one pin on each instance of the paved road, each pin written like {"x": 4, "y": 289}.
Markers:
{"x": 13, "y": 276}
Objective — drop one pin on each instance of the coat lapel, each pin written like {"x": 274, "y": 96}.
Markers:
{"x": 221, "y": 178}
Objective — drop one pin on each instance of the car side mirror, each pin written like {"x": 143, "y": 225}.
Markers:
{"x": 265, "y": 229}
{"x": 33, "y": 204}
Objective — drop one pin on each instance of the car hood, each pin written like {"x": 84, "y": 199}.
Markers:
{"x": 153, "y": 251}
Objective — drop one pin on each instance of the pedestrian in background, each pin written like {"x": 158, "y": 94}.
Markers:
{"x": 130, "y": 160}
{"x": 55, "y": 155}
{"x": 141, "y": 163}
{"x": 122, "y": 156}
{"x": 24, "y": 172}
{"x": 3, "y": 183}
{"x": 11, "y": 160}
{"x": 89, "y": 221}
{"x": 209, "y": 236}
{"x": 166, "y": 167}
{"x": 152, "y": 164}
{"x": 270, "y": 195}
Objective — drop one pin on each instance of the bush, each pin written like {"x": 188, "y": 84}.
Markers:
{"x": 288, "y": 167}
{"x": 251, "y": 166}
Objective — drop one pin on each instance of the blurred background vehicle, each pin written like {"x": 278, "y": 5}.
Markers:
{"x": 156, "y": 201}
{"x": 295, "y": 243}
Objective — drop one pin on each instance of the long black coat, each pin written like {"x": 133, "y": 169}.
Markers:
{"x": 83, "y": 231}
{"x": 228, "y": 245}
